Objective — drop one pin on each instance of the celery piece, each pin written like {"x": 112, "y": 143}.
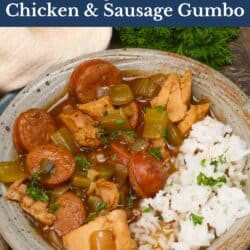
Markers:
{"x": 80, "y": 181}
{"x": 155, "y": 123}
{"x": 64, "y": 138}
{"x": 121, "y": 94}
{"x": 116, "y": 120}
{"x": 10, "y": 172}
{"x": 147, "y": 87}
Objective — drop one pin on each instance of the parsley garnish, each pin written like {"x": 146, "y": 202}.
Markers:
{"x": 113, "y": 135}
{"x": 113, "y": 157}
{"x": 156, "y": 153}
{"x": 170, "y": 184}
{"x": 102, "y": 136}
{"x": 53, "y": 205}
{"x": 131, "y": 133}
{"x": 222, "y": 159}
{"x": 105, "y": 113}
{"x": 146, "y": 210}
{"x": 164, "y": 194}
{"x": 145, "y": 109}
{"x": 203, "y": 180}
{"x": 120, "y": 122}
{"x": 243, "y": 184}
{"x": 130, "y": 201}
{"x": 160, "y": 217}
{"x": 34, "y": 191}
{"x": 82, "y": 162}
{"x": 196, "y": 219}
{"x": 215, "y": 164}
{"x": 160, "y": 109}
{"x": 101, "y": 206}
{"x": 203, "y": 162}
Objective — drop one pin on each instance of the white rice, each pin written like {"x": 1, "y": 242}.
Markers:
{"x": 166, "y": 221}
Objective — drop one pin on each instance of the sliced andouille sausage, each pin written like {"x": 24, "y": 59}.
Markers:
{"x": 146, "y": 174}
{"x": 70, "y": 215}
{"x": 32, "y": 128}
{"x": 91, "y": 75}
{"x": 63, "y": 163}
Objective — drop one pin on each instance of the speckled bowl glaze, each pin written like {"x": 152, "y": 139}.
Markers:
{"x": 229, "y": 104}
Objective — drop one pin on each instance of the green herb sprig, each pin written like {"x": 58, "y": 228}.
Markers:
{"x": 209, "y": 45}
{"x": 34, "y": 191}
{"x": 82, "y": 162}
{"x": 203, "y": 180}
{"x": 156, "y": 153}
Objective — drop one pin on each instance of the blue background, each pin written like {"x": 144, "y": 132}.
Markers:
{"x": 175, "y": 20}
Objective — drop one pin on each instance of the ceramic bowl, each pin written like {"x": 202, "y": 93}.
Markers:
{"x": 229, "y": 104}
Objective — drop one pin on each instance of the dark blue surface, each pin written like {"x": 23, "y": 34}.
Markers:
{"x": 4, "y": 101}
{"x": 83, "y": 18}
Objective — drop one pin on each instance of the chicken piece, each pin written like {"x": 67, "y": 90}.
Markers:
{"x": 108, "y": 192}
{"x": 162, "y": 98}
{"x": 160, "y": 143}
{"x": 82, "y": 127}
{"x": 37, "y": 209}
{"x": 114, "y": 222}
{"x": 131, "y": 110}
{"x": 186, "y": 87}
{"x": 176, "y": 109}
{"x": 16, "y": 191}
{"x": 194, "y": 114}
{"x": 98, "y": 108}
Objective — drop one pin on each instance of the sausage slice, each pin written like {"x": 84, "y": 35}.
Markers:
{"x": 32, "y": 128}
{"x": 70, "y": 215}
{"x": 64, "y": 164}
{"x": 147, "y": 175}
{"x": 91, "y": 75}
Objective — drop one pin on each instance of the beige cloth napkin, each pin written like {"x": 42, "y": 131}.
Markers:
{"x": 27, "y": 53}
